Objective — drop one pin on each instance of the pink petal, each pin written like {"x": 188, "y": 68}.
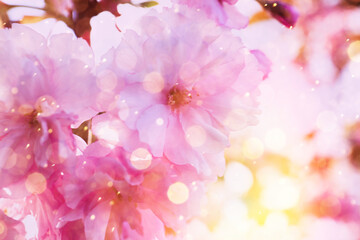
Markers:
{"x": 264, "y": 62}
{"x": 211, "y": 140}
{"x": 95, "y": 222}
{"x": 234, "y": 18}
{"x": 73, "y": 230}
{"x": 178, "y": 151}
{"x": 231, "y": 109}
{"x": 153, "y": 227}
{"x": 134, "y": 100}
{"x": 152, "y": 125}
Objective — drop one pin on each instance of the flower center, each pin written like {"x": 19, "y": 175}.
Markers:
{"x": 33, "y": 119}
{"x": 44, "y": 106}
{"x": 178, "y": 97}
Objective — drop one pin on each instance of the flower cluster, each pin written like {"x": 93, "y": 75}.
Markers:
{"x": 156, "y": 114}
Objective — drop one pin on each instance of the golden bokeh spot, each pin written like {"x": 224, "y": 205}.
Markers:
{"x": 14, "y": 90}
{"x": 253, "y": 148}
{"x": 46, "y": 105}
{"x": 353, "y": 51}
{"x": 35, "y": 183}
{"x": 178, "y": 193}
{"x": 141, "y": 159}
{"x": 3, "y": 230}
{"x": 195, "y": 136}
{"x": 153, "y": 82}
{"x": 110, "y": 184}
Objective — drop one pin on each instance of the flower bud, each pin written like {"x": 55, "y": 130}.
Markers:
{"x": 283, "y": 12}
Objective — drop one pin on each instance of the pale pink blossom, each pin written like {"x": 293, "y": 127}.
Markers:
{"x": 115, "y": 200}
{"x": 36, "y": 196}
{"x": 46, "y": 85}
{"x": 220, "y": 10}
{"x": 185, "y": 83}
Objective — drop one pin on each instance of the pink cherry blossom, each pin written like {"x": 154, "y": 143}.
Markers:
{"x": 36, "y": 195}
{"x": 186, "y": 82}
{"x": 42, "y": 94}
{"x": 219, "y": 10}
{"x": 116, "y": 200}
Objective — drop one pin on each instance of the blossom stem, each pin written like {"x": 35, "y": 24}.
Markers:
{"x": 89, "y": 138}
{"x": 49, "y": 12}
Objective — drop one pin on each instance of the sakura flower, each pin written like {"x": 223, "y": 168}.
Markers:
{"x": 119, "y": 196}
{"x": 186, "y": 82}
{"x": 37, "y": 198}
{"x": 219, "y": 10}
{"x": 42, "y": 94}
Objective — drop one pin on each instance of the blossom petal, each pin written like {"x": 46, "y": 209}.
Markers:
{"x": 94, "y": 221}
{"x": 178, "y": 150}
{"x": 134, "y": 100}
{"x": 152, "y": 125}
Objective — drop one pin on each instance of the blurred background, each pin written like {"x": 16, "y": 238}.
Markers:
{"x": 296, "y": 174}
